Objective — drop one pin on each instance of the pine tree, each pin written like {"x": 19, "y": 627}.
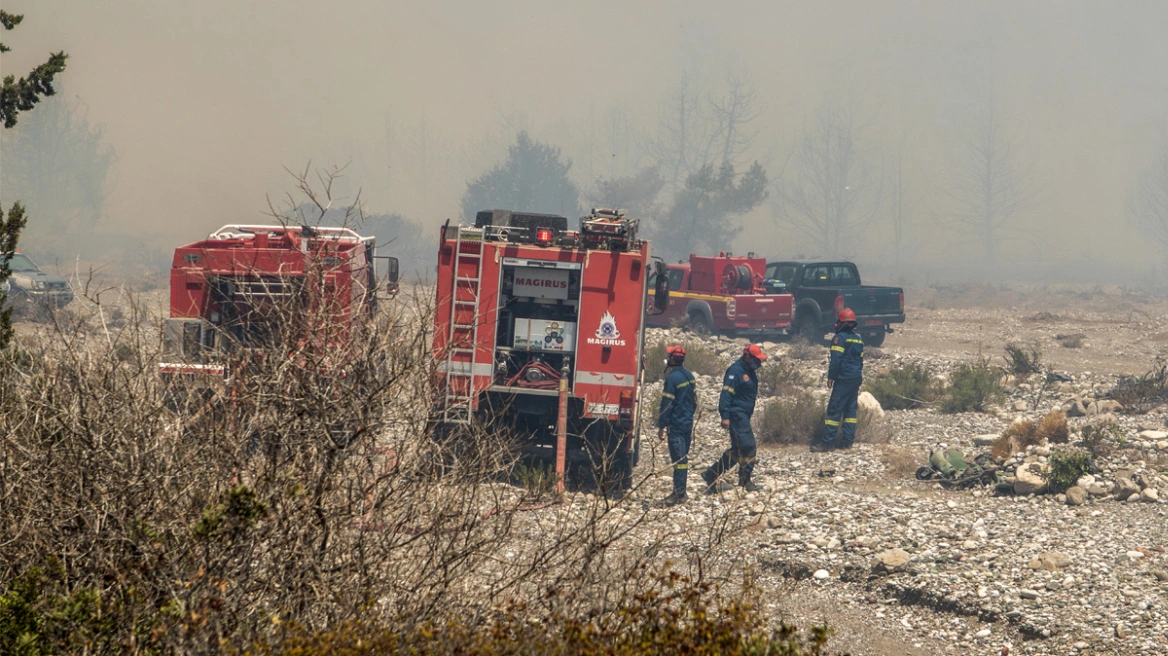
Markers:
{"x": 19, "y": 96}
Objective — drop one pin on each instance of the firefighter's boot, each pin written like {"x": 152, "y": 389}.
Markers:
{"x": 674, "y": 499}
{"x": 710, "y": 479}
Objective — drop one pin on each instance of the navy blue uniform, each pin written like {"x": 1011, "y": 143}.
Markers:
{"x": 678, "y": 404}
{"x": 847, "y": 370}
{"x": 736, "y": 404}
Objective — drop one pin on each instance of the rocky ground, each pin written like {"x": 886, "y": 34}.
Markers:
{"x": 898, "y": 565}
{"x": 901, "y": 566}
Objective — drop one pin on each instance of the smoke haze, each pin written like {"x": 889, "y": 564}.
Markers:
{"x": 206, "y": 103}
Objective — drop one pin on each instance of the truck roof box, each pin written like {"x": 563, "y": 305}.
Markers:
{"x": 529, "y": 220}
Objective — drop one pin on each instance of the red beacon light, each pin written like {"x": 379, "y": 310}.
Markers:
{"x": 544, "y": 236}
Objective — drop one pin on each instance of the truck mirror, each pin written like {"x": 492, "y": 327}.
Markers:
{"x": 391, "y": 272}
{"x": 661, "y": 290}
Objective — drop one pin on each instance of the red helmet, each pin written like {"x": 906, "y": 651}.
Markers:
{"x": 675, "y": 351}
{"x": 755, "y": 352}
{"x": 846, "y": 315}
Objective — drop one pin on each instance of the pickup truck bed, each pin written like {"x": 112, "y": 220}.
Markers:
{"x": 700, "y": 301}
{"x": 822, "y": 289}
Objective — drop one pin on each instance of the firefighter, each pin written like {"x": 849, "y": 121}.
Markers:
{"x": 676, "y": 415}
{"x": 736, "y": 405}
{"x": 844, "y": 376}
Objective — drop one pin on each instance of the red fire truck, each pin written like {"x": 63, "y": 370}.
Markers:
{"x": 726, "y": 294}
{"x": 244, "y": 283}
{"x": 539, "y": 331}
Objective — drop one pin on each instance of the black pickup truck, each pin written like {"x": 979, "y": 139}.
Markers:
{"x": 822, "y": 289}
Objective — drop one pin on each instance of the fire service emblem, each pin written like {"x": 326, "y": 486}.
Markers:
{"x": 607, "y": 333}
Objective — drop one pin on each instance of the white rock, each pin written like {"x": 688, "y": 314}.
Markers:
{"x": 984, "y": 633}
{"x": 868, "y": 402}
{"x": 822, "y": 574}
{"x": 1150, "y": 495}
{"x": 984, "y": 440}
{"x": 1154, "y": 435}
{"x": 1135, "y": 555}
{"x": 1029, "y": 480}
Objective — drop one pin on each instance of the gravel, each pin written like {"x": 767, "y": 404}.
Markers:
{"x": 935, "y": 570}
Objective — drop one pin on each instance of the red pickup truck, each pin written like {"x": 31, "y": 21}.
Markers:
{"x": 724, "y": 294}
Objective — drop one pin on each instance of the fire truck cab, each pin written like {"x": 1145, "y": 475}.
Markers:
{"x": 524, "y": 305}
{"x": 243, "y": 284}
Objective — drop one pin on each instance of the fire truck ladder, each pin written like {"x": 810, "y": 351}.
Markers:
{"x": 463, "y": 337}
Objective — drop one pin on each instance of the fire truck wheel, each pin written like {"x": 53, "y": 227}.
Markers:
{"x": 875, "y": 338}
{"x": 699, "y": 324}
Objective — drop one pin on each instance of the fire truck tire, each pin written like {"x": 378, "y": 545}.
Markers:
{"x": 875, "y": 338}
{"x": 699, "y": 323}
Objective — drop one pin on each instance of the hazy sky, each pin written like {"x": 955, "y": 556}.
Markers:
{"x": 206, "y": 102}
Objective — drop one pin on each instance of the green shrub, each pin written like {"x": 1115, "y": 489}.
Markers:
{"x": 972, "y": 387}
{"x": 903, "y": 388}
{"x": 538, "y": 478}
{"x": 1066, "y": 467}
{"x": 38, "y": 615}
{"x": 1023, "y": 359}
{"x": 699, "y": 358}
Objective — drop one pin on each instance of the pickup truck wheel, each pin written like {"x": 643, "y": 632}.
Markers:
{"x": 805, "y": 327}
{"x": 698, "y": 324}
{"x": 875, "y": 338}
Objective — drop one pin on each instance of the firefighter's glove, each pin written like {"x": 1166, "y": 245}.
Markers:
{"x": 661, "y": 433}
{"x": 726, "y": 424}
{"x": 830, "y": 384}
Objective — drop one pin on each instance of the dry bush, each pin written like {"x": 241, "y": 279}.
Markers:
{"x": 1052, "y": 428}
{"x": 1100, "y": 439}
{"x": 900, "y": 462}
{"x": 803, "y": 350}
{"x": 870, "y": 429}
{"x": 796, "y": 419}
{"x": 1023, "y": 433}
{"x": 874, "y": 353}
{"x": 1003, "y": 447}
{"x": 675, "y": 615}
{"x": 799, "y": 420}
{"x": 778, "y": 377}
{"x": 1140, "y": 394}
{"x": 1073, "y": 341}
{"x": 137, "y": 515}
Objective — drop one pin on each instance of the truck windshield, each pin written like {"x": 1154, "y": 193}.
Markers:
{"x": 20, "y": 263}
{"x": 816, "y": 276}
{"x": 782, "y": 272}
{"x": 843, "y": 275}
